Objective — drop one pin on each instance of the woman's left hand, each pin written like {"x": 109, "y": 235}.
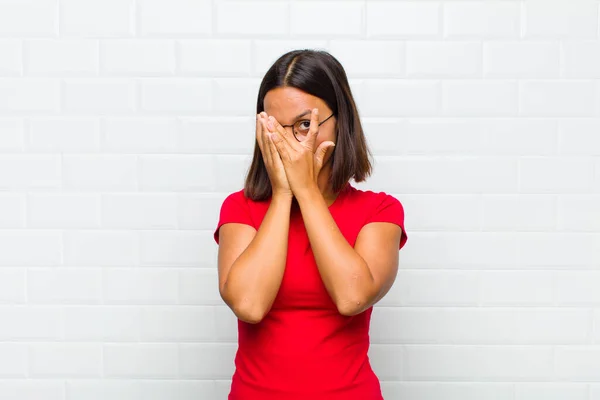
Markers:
{"x": 301, "y": 161}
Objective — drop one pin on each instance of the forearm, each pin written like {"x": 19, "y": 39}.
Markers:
{"x": 255, "y": 277}
{"x": 344, "y": 272}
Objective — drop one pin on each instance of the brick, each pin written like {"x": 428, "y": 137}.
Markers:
{"x": 12, "y": 210}
{"x": 31, "y": 322}
{"x": 516, "y": 59}
{"x": 65, "y": 57}
{"x": 579, "y": 213}
{"x": 430, "y": 289}
{"x": 11, "y": 57}
{"x": 242, "y": 18}
{"x": 64, "y": 286}
{"x": 410, "y": 98}
{"x": 518, "y": 212}
{"x": 141, "y": 135}
{"x": 556, "y": 249}
{"x": 100, "y": 248}
{"x": 176, "y": 95}
{"x": 541, "y": 98}
{"x": 65, "y": 360}
{"x": 192, "y": 355}
{"x": 478, "y": 19}
{"x": 155, "y": 360}
{"x": 29, "y": 389}
{"x": 138, "y": 57}
{"x": 141, "y": 286}
{"x": 179, "y": 173}
{"x": 579, "y": 137}
{"x": 551, "y": 390}
{"x": 228, "y": 135}
{"x": 99, "y": 96}
{"x": 581, "y": 59}
{"x": 314, "y": 18}
{"x": 469, "y": 362}
{"x": 577, "y": 287}
{"x": 200, "y": 286}
{"x": 443, "y": 59}
{"x": 518, "y": 289}
{"x": 175, "y": 17}
{"x": 461, "y": 98}
{"x": 102, "y": 323}
{"x": 17, "y": 18}
{"x": 556, "y": 174}
{"x": 13, "y": 360}
{"x": 30, "y": 172}
{"x": 235, "y": 96}
{"x": 180, "y": 250}
{"x": 178, "y": 324}
{"x": 63, "y": 135}
{"x": 577, "y": 363}
{"x": 215, "y": 57}
{"x": 447, "y": 390}
{"x": 29, "y": 95}
{"x": 561, "y": 19}
{"x": 97, "y": 18}
{"x": 63, "y": 210}
{"x": 370, "y": 58}
{"x": 13, "y": 135}
{"x": 403, "y": 19}
{"x": 100, "y": 172}
{"x": 475, "y": 325}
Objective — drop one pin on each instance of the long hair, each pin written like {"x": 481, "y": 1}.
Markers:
{"x": 318, "y": 73}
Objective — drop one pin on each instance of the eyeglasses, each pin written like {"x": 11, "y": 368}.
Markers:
{"x": 301, "y": 131}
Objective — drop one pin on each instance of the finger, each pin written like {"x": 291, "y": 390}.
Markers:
{"x": 281, "y": 145}
{"x": 321, "y": 152}
{"x": 277, "y": 161}
{"x": 265, "y": 142}
{"x": 313, "y": 130}
{"x": 275, "y": 126}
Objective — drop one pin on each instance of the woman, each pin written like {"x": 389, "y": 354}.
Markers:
{"x": 303, "y": 255}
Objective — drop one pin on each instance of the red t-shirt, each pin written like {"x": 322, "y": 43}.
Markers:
{"x": 304, "y": 348}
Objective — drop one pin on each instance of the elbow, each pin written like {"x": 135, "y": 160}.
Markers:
{"x": 244, "y": 309}
{"x": 351, "y": 308}
{"x": 249, "y": 316}
{"x": 248, "y": 313}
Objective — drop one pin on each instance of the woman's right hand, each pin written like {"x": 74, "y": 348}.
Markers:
{"x": 271, "y": 158}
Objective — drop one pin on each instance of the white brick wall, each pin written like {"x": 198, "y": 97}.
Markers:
{"x": 125, "y": 123}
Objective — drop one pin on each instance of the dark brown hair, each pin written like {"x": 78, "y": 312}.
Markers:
{"x": 318, "y": 73}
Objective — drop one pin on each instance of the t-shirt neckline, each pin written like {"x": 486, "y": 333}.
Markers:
{"x": 340, "y": 195}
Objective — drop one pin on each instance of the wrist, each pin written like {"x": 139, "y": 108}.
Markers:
{"x": 282, "y": 197}
{"x": 308, "y": 194}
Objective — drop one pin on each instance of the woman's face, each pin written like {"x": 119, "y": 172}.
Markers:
{"x": 288, "y": 105}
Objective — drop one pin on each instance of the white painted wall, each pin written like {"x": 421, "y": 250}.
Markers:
{"x": 124, "y": 124}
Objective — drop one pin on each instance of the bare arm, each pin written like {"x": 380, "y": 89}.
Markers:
{"x": 251, "y": 262}
{"x": 355, "y": 278}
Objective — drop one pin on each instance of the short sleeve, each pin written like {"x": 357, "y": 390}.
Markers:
{"x": 235, "y": 208}
{"x": 389, "y": 209}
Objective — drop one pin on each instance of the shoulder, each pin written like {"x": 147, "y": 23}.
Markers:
{"x": 235, "y": 208}
{"x": 240, "y": 199}
{"x": 372, "y": 200}
{"x": 236, "y": 197}
{"x": 380, "y": 207}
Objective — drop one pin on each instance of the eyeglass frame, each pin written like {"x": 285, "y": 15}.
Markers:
{"x": 294, "y": 132}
